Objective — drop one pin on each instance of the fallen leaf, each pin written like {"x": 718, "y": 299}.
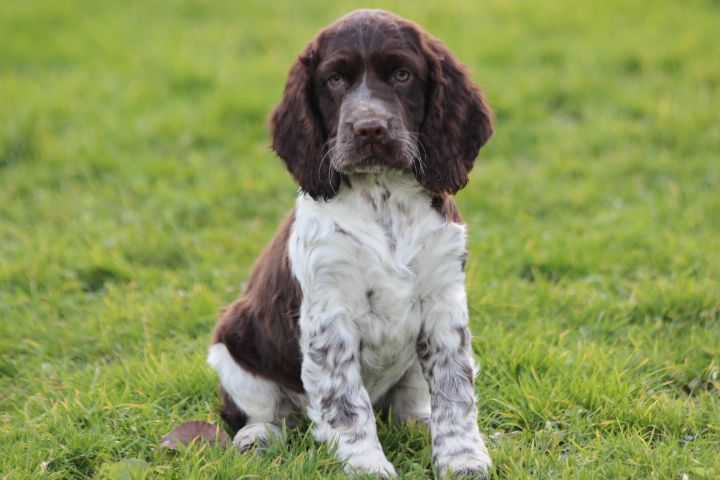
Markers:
{"x": 195, "y": 431}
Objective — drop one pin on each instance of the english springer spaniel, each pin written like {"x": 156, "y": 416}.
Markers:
{"x": 359, "y": 302}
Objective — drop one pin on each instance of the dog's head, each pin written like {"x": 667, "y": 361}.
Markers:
{"x": 374, "y": 91}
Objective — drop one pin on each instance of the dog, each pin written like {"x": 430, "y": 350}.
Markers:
{"x": 358, "y": 304}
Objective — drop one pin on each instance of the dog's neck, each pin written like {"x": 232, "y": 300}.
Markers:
{"x": 378, "y": 189}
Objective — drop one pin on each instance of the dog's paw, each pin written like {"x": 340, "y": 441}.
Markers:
{"x": 255, "y": 434}
{"x": 373, "y": 463}
{"x": 466, "y": 463}
{"x": 469, "y": 473}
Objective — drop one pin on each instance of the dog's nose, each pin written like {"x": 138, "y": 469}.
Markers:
{"x": 371, "y": 130}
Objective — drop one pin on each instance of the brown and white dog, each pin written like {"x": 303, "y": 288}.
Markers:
{"x": 359, "y": 301}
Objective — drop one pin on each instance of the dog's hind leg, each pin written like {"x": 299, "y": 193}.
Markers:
{"x": 252, "y": 406}
{"x": 410, "y": 398}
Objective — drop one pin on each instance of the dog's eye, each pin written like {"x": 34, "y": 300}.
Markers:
{"x": 402, "y": 75}
{"x": 335, "y": 80}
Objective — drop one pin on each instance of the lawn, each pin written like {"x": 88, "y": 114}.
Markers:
{"x": 137, "y": 188}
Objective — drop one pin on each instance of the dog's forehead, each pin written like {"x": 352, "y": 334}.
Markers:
{"x": 366, "y": 31}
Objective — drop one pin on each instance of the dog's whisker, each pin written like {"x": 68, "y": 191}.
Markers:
{"x": 329, "y": 151}
{"x": 411, "y": 149}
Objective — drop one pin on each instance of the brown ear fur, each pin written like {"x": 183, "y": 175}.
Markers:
{"x": 297, "y": 132}
{"x": 457, "y": 121}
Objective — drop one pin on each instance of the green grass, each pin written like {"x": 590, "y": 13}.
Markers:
{"x": 136, "y": 189}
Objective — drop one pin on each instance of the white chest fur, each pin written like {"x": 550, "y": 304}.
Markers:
{"x": 365, "y": 261}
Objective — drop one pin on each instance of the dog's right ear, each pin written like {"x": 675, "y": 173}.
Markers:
{"x": 297, "y": 131}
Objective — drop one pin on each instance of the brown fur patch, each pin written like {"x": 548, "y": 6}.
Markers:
{"x": 260, "y": 329}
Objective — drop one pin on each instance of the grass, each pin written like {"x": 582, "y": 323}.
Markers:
{"x": 136, "y": 189}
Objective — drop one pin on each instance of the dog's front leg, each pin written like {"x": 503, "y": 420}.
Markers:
{"x": 338, "y": 403}
{"x": 446, "y": 358}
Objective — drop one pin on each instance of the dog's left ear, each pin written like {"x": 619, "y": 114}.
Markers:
{"x": 457, "y": 121}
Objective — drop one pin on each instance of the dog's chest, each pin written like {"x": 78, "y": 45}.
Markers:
{"x": 366, "y": 257}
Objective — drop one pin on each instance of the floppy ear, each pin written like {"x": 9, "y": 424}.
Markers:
{"x": 297, "y": 132}
{"x": 457, "y": 121}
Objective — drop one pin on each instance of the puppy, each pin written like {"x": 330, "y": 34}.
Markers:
{"x": 359, "y": 302}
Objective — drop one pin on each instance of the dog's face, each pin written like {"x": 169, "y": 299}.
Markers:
{"x": 371, "y": 85}
{"x": 373, "y": 91}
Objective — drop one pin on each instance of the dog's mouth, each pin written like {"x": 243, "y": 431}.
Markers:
{"x": 370, "y": 164}
{"x": 374, "y": 157}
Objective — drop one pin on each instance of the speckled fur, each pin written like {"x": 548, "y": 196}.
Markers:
{"x": 383, "y": 294}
